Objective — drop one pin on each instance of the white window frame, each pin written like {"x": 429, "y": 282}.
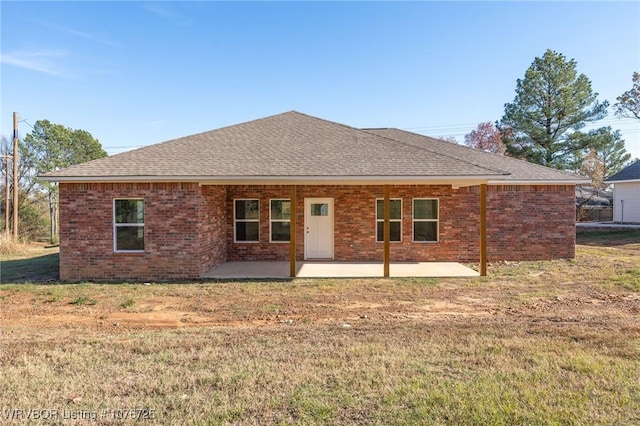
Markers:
{"x": 414, "y": 220}
{"x": 271, "y": 220}
{"x": 119, "y": 225}
{"x": 391, "y": 220}
{"x": 235, "y": 221}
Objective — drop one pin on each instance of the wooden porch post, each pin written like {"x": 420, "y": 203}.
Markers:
{"x": 386, "y": 229}
{"x": 292, "y": 232}
{"x": 483, "y": 230}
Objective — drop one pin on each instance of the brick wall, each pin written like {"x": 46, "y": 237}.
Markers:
{"x": 524, "y": 223}
{"x": 171, "y": 232}
{"x": 531, "y": 222}
{"x": 189, "y": 228}
{"x": 213, "y": 227}
{"x": 355, "y": 237}
{"x": 354, "y": 223}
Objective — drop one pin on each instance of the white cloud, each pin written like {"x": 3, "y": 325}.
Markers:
{"x": 96, "y": 38}
{"x": 164, "y": 11}
{"x": 43, "y": 61}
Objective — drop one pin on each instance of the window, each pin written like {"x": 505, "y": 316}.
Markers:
{"x": 425, "y": 220}
{"x": 395, "y": 222}
{"x": 247, "y": 221}
{"x": 128, "y": 225}
{"x": 280, "y": 220}
{"x": 321, "y": 209}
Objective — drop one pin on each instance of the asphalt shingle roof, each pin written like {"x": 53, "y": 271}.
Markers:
{"x": 293, "y": 144}
{"x": 517, "y": 169}
{"x": 631, "y": 172}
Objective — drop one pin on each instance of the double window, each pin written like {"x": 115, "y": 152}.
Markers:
{"x": 246, "y": 222}
{"x": 128, "y": 225}
{"x": 425, "y": 220}
{"x": 395, "y": 222}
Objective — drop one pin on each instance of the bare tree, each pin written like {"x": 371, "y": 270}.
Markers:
{"x": 629, "y": 102}
{"x": 487, "y": 138}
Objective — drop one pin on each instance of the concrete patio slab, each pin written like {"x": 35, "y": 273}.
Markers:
{"x": 280, "y": 270}
{"x": 611, "y": 225}
{"x": 431, "y": 269}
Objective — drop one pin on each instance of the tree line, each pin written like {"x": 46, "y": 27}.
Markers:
{"x": 46, "y": 148}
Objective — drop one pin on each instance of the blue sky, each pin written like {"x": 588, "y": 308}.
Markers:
{"x": 137, "y": 73}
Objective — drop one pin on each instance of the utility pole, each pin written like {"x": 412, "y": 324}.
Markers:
{"x": 15, "y": 176}
{"x": 6, "y": 193}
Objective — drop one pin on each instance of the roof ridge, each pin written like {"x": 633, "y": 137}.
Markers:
{"x": 485, "y": 152}
{"x": 331, "y": 122}
{"x": 213, "y": 130}
{"x": 401, "y": 142}
{"x": 503, "y": 172}
{"x": 153, "y": 145}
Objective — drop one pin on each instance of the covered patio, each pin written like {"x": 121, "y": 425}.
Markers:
{"x": 316, "y": 269}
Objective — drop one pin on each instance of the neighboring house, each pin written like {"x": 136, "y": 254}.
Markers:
{"x": 592, "y": 197}
{"x": 626, "y": 194}
{"x": 179, "y": 208}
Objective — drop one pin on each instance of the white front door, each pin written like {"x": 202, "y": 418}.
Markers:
{"x": 318, "y": 228}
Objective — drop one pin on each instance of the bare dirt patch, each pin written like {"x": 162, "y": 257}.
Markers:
{"x": 598, "y": 285}
{"x": 353, "y": 301}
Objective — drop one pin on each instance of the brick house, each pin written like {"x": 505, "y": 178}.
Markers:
{"x": 294, "y": 187}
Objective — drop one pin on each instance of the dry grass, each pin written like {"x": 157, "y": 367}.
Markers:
{"x": 387, "y": 374}
{"x": 535, "y": 343}
{"x": 10, "y": 247}
{"x": 29, "y": 262}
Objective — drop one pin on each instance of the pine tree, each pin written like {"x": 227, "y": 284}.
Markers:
{"x": 52, "y": 146}
{"x": 607, "y": 155}
{"x": 552, "y": 104}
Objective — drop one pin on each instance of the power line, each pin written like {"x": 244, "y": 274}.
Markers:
{"x": 27, "y": 123}
{"x": 458, "y": 129}
{"x": 462, "y": 126}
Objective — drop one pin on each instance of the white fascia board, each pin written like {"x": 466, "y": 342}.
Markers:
{"x": 540, "y": 182}
{"x": 457, "y": 181}
{"x": 118, "y": 179}
{"x": 272, "y": 180}
{"x": 613, "y": 182}
{"x": 351, "y": 180}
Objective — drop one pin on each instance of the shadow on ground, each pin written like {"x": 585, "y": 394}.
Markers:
{"x": 40, "y": 269}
